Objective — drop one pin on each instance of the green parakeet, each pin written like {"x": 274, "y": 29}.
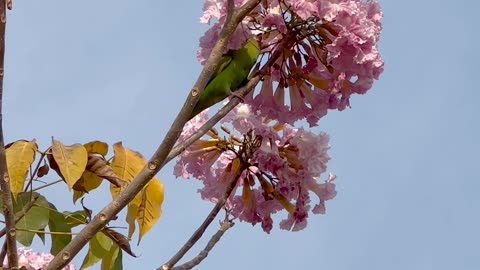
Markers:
{"x": 230, "y": 75}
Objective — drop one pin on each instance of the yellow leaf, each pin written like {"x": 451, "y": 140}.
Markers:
{"x": 71, "y": 161}
{"x": 132, "y": 211}
{"x": 144, "y": 208}
{"x": 20, "y": 156}
{"x": 96, "y": 147}
{"x": 126, "y": 163}
{"x": 150, "y": 209}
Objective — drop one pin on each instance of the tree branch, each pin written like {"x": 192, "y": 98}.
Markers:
{"x": 203, "y": 227}
{"x": 254, "y": 80}
{"x": 19, "y": 216}
{"x": 157, "y": 161}
{"x": 3, "y": 252}
{"x": 11, "y": 243}
{"x": 224, "y": 226}
{"x": 180, "y": 148}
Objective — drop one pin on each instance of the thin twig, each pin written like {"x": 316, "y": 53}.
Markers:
{"x": 44, "y": 232}
{"x": 203, "y": 227}
{"x": 3, "y": 252}
{"x": 47, "y": 185}
{"x": 224, "y": 226}
{"x": 34, "y": 172}
{"x": 4, "y": 178}
{"x": 158, "y": 159}
{"x": 21, "y": 214}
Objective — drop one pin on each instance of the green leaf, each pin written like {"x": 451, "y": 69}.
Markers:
{"x": 118, "y": 264}
{"x": 76, "y": 218}
{"x": 35, "y": 219}
{"x": 41, "y": 236}
{"x": 99, "y": 247}
{"x": 57, "y": 223}
{"x": 113, "y": 260}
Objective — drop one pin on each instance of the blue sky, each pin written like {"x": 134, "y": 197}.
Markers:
{"x": 406, "y": 154}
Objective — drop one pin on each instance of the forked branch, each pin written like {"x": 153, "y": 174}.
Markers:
{"x": 158, "y": 159}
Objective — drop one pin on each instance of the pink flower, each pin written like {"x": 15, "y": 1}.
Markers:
{"x": 217, "y": 9}
{"x": 325, "y": 52}
{"x": 212, "y": 9}
{"x": 283, "y": 167}
{"x": 34, "y": 260}
{"x": 303, "y": 8}
{"x": 274, "y": 18}
{"x": 315, "y": 54}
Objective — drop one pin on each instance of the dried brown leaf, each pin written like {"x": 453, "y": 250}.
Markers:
{"x": 99, "y": 166}
{"x": 43, "y": 170}
{"x": 119, "y": 239}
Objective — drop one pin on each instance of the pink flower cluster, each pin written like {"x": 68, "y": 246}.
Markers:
{"x": 284, "y": 167}
{"x": 321, "y": 52}
{"x": 34, "y": 260}
{"x": 314, "y": 55}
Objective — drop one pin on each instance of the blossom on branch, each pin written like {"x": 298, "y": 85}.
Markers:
{"x": 34, "y": 260}
{"x": 284, "y": 166}
{"x": 324, "y": 50}
{"x": 315, "y": 54}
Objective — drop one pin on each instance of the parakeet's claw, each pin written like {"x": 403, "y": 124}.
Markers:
{"x": 237, "y": 95}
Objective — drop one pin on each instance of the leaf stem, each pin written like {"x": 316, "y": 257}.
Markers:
{"x": 44, "y": 232}
{"x": 47, "y": 185}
